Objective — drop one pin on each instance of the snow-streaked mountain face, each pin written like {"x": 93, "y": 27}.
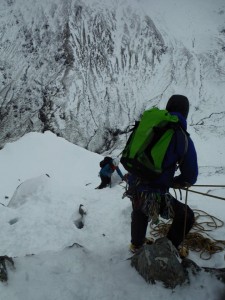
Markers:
{"x": 87, "y": 69}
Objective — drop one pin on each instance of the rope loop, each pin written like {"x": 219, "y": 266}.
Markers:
{"x": 197, "y": 239}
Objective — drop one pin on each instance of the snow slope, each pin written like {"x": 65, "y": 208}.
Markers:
{"x": 56, "y": 260}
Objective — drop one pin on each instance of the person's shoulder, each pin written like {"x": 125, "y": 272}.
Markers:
{"x": 182, "y": 120}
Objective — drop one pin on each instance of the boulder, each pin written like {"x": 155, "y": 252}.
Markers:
{"x": 160, "y": 262}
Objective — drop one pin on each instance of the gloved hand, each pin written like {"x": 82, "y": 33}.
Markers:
{"x": 125, "y": 177}
{"x": 176, "y": 184}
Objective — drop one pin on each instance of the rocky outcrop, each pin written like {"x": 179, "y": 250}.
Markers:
{"x": 86, "y": 72}
{"x": 161, "y": 262}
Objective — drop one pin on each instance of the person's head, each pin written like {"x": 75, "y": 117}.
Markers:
{"x": 116, "y": 161}
{"x": 178, "y": 103}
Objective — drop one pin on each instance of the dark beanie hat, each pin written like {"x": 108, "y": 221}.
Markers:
{"x": 178, "y": 103}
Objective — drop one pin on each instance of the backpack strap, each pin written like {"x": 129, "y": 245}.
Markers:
{"x": 186, "y": 135}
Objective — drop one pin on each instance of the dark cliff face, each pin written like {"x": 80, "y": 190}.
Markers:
{"x": 86, "y": 72}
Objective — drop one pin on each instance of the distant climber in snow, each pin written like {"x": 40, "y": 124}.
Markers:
{"x": 108, "y": 166}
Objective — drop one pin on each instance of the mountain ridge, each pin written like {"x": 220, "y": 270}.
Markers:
{"x": 87, "y": 70}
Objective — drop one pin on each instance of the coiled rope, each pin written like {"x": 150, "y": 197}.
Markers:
{"x": 197, "y": 239}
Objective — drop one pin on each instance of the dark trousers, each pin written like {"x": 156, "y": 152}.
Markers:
{"x": 139, "y": 223}
{"x": 104, "y": 182}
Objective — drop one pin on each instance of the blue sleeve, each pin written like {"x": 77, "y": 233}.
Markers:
{"x": 106, "y": 171}
{"x": 119, "y": 172}
{"x": 189, "y": 166}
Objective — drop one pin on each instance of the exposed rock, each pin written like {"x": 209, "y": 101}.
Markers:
{"x": 159, "y": 262}
{"x": 188, "y": 264}
{"x": 3, "y": 269}
{"x": 86, "y": 72}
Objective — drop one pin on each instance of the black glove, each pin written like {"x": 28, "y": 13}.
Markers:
{"x": 176, "y": 184}
{"x": 125, "y": 177}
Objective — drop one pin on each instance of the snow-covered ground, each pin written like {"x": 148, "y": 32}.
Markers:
{"x": 44, "y": 179}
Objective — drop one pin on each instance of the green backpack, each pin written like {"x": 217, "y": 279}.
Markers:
{"x": 146, "y": 147}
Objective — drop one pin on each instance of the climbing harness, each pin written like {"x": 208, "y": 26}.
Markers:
{"x": 197, "y": 239}
{"x": 152, "y": 204}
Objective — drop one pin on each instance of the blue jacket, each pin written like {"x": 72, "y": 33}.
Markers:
{"x": 108, "y": 169}
{"x": 175, "y": 153}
